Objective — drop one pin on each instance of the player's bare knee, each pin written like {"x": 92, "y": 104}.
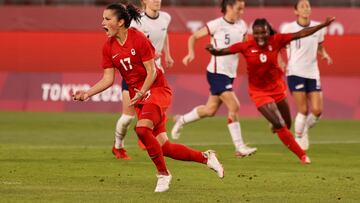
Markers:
{"x": 278, "y": 123}
{"x": 210, "y": 111}
{"x": 303, "y": 110}
{"x": 317, "y": 111}
{"x": 234, "y": 109}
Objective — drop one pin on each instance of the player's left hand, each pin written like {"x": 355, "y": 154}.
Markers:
{"x": 138, "y": 95}
{"x": 80, "y": 95}
{"x": 328, "y": 59}
{"x": 169, "y": 61}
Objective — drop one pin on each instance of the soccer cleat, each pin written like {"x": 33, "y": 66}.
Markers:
{"x": 141, "y": 145}
{"x": 245, "y": 151}
{"x": 175, "y": 131}
{"x": 120, "y": 153}
{"x": 305, "y": 160}
{"x": 303, "y": 141}
{"x": 213, "y": 163}
{"x": 163, "y": 183}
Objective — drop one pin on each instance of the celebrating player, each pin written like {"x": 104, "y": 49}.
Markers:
{"x": 266, "y": 83}
{"x": 153, "y": 24}
{"x": 303, "y": 72}
{"x": 129, "y": 51}
{"x": 221, "y": 71}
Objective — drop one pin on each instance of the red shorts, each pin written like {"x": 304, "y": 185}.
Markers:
{"x": 262, "y": 99}
{"x": 276, "y": 95}
{"x": 153, "y": 113}
{"x": 160, "y": 96}
{"x": 153, "y": 106}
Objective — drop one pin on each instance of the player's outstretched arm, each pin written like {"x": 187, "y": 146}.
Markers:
{"x": 217, "y": 52}
{"x": 191, "y": 44}
{"x": 311, "y": 30}
{"x": 106, "y": 81}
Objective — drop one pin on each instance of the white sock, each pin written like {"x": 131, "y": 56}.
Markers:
{"x": 235, "y": 132}
{"x": 311, "y": 120}
{"x": 190, "y": 117}
{"x": 121, "y": 129}
{"x": 300, "y": 121}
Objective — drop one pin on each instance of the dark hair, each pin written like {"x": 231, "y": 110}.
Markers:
{"x": 125, "y": 11}
{"x": 264, "y": 22}
{"x": 225, "y": 3}
{"x": 297, "y": 4}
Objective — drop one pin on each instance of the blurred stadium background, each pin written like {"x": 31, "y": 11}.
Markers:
{"x": 51, "y": 46}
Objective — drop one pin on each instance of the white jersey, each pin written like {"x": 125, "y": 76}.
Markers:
{"x": 155, "y": 29}
{"x": 302, "y": 53}
{"x": 224, "y": 34}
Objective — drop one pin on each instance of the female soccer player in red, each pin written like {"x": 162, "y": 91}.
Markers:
{"x": 152, "y": 24}
{"x": 266, "y": 84}
{"x": 129, "y": 51}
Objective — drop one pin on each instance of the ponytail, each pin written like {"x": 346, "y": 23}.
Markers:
{"x": 134, "y": 13}
{"x": 125, "y": 11}
{"x": 264, "y": 22}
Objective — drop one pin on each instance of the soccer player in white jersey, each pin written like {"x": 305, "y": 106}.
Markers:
{"x": 154, "y": 24}
{"x": 303, "y": 72}
{"x": 221, "y": 72}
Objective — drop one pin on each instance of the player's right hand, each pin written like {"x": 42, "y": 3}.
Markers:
{"x": 188, "y": 58}
{"x": 80, "y": 95}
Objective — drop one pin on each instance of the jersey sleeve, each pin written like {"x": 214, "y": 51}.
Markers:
{"x": 237, "y": 47}
{"x": 284, "y": 39}
{"x": 146, "y": 49}
{"x": 284, "y": 29}
{"x": 167, "y": 17}
{"x": 212, "y": 26}
{"x": 106, "y": 58}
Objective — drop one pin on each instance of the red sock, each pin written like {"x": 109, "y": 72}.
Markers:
{"x": 183, "y": 153}
{"x": 288, "y": 139}
{"x": 153, "y": 148}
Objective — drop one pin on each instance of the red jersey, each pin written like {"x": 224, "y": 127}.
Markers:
{"x": 128, "y": 59}
{"x": 264, "y": 73}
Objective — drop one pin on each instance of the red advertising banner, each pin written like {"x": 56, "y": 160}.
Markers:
{"x": 51, "y": 92}
{"x": 184, "y": 19}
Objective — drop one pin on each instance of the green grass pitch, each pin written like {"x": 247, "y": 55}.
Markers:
{"x": 66, "y": 157}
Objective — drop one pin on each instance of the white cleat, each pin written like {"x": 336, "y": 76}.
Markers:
{"x": 305, "y": 160}
{"x": 303, "y": 141}
{"x": 213, "y": 163}
{"x": 245, "y": 151}
{"x": 175, "y": 131}
{"x": 163, "y": 183}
